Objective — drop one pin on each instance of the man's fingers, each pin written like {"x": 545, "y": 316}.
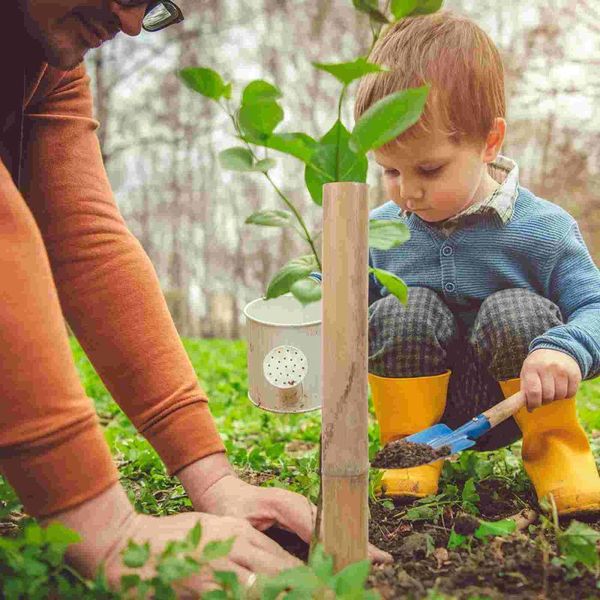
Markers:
{"x": 295, "y": 513}
{"x": 258, "y": 560}
{"x": 244, "y": 574}
{"x": 378, "y": 555}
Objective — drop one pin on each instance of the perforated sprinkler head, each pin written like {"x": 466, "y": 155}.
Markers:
{"x": 285, "y": 367}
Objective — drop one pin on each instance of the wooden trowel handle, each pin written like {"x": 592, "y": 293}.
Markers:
{"x": 505, "y": 409}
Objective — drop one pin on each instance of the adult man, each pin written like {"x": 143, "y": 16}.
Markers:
{"x": 68, "y": 253}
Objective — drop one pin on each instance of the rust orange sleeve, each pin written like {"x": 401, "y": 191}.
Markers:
{"x": 52, "y": 450}
{"x": 108, "y": 289}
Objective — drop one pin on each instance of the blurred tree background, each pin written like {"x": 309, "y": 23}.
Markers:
{"x": 160, "y": 140}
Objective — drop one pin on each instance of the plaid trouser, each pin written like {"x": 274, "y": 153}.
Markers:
{"x": 424, "y": 338}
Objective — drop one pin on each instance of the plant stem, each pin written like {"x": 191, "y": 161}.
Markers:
{"x": 337, "y": 149}
{"x": 288, "y": 202}
{"x": 315, "y": 536}
{"x": 300, "y": 220}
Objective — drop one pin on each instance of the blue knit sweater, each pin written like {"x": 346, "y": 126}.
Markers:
{"x": 540, "y": 249}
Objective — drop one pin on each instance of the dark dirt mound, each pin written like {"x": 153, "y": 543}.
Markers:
{"x": 401, "y": 455}
{"x": 516, "y": 567}
{"x": 293, "y": 543}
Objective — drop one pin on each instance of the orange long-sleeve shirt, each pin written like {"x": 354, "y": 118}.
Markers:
{"x": 66, "y": 251}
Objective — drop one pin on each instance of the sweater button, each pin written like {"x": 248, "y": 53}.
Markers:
{"x": 447, "y": 251}
{"x": 449, "y": 287}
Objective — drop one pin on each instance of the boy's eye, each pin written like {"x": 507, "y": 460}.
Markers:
{"x": 391, "y": 172}
{"x": 429, "y": 171}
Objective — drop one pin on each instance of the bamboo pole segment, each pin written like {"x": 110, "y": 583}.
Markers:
{"x": 345, "y": 459}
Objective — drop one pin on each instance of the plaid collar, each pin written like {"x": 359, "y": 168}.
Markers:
{"x": 500, "y": 202}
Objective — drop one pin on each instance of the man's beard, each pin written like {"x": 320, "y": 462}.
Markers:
{"x": 41, "y": 47}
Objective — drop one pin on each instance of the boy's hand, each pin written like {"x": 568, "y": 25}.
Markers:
{"x": 549, "y": 375}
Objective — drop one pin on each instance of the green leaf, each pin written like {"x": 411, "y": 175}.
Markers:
{"x": 271, "y": 218}
{"x": 56, "y": 533}
{"x": 580, "y": 541}
{"x": 456, "y": 540}
{"x": 194, "y": 535}
{"x": 215, "y": 595}
{"x": 351, "y": 577}
{"x": 173, "y": 568}
{"x": 259, "y": 119}
{"x": 206, "y": 82}
{"x": 129, "y": 582}
{"x": 299, "y": 145}
{"x": 226, "y": 578}
{"x": 403, "y": 8}
{"x": 294, "y": 270}
{"x": 371, "y": 8}
{"x": 469, "y": 493}
{"x": 227, "y": 91}
{"x": 236, "y": 159}
{"x": 217, "y": 549}
{"x": 426, "y": 7}
{"x": 300, "y": 579}
{"x": 487, "y": 528}
{"x": 306, "y": 290}
{"x": 321, "y": 563}
{"x": 34, "y": 535}
{"x": 264, "y": 165}
{"x": 349, "y": 71}
{"x": 136, "y": 555}
{"x": 385, "y": 235}
{"x": 334, "y": 165}
{"x": 259, "y": 90}
{"x": 392, "y": 282}
{"x": 388, "y": 118}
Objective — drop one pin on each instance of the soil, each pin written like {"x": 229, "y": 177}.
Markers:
{"x": 505, "y": 568}
{"x": 401, "y": 455}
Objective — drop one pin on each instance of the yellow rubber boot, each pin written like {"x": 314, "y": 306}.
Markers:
{"x": 404, "y": 406}
{"x": 557, "y": 455}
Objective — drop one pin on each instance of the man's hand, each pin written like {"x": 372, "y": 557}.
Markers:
{"x": 549, "y": 375}
{"x": 106, "y": 524}
{"x": 262, "y": 507}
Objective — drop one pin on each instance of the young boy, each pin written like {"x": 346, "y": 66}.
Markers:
{"x": 503, "y": 294}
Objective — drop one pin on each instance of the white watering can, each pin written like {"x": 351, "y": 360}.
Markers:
{"x": 284, "y": 354}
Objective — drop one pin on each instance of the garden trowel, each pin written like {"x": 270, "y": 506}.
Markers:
{"x": 466, "y": 435}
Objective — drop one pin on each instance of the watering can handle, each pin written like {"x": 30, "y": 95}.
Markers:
{"x": 505, "y": 409}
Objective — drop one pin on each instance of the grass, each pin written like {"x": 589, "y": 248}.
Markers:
{"x": 273, "y": 449}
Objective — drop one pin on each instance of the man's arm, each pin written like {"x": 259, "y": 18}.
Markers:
{"x": 108, "y": 288}
{"x": 52, "y": 450}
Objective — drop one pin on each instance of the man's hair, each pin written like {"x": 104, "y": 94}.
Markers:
{"x": 452, "y": 54}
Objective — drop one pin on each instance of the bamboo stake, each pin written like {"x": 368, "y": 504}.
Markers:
{"x": 345, "y": 460}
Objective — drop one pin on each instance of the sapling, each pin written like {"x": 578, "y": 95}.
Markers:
{"x": 339, "y": 155}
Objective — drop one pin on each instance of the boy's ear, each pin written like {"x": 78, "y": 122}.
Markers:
{"x": 494, "y": 140}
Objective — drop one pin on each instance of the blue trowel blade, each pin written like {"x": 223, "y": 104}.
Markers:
{"x": 431, "y": 433}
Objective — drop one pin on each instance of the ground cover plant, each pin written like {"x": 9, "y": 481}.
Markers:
{"x": 481, "y": 537}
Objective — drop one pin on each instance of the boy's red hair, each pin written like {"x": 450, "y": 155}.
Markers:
{"x": 456, "y": 57}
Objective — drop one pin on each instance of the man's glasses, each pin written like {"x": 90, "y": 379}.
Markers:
{"x": 159, "y": 13}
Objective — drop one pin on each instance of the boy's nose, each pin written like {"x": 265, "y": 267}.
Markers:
{"x": 410, "y": 193}
{"x": 130, "y": 18}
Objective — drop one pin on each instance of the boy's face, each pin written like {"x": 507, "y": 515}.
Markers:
{"x": 435, "y": 177}
{"x": 67, "y": 29}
